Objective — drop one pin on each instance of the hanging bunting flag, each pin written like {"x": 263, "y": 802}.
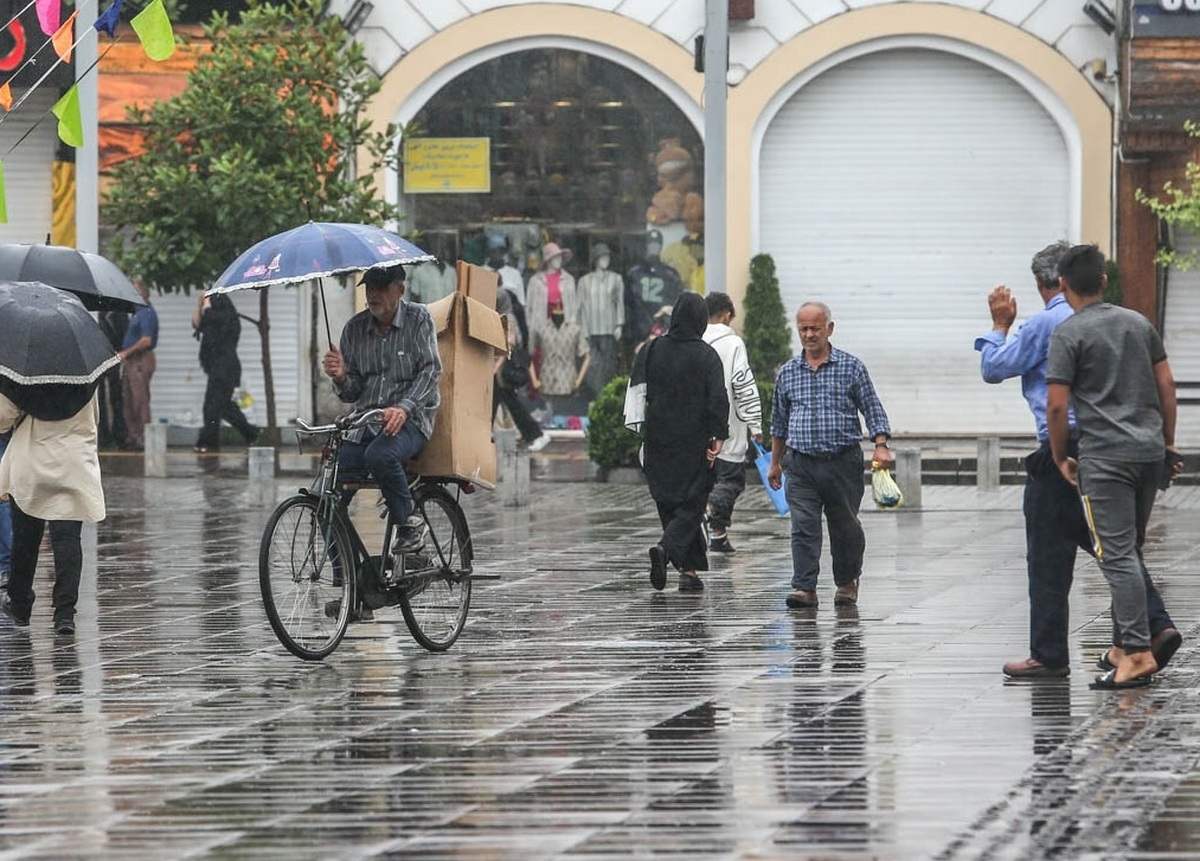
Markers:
{"x": 64, "y": 39}
{"x": 3, "y": 198}
{"x": 107, "y": 23}
{"x": 6, "y": 97}
{"x": 70, "y": 120}
{"x": 49, "y": 13}
{"x": 153, "y": 27}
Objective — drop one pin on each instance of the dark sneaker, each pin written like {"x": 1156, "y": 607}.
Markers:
{"x": 6, "y": 609}
{"x": 690, "y": 583}
{"x": 64, "y": 627}
{"x": 411, "y": 536}
{"x": 720, "y": 545}
{"x": 658, "y": 567}
{"x": 1032, "y": 668}
{"x": 332, "y": 608}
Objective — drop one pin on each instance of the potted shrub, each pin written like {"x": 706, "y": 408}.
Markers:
{"x": 610, "y": 445}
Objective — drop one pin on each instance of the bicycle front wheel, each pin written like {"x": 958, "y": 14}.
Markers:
{"x": 303, "y": 567}
{"x": 436, "y": 598}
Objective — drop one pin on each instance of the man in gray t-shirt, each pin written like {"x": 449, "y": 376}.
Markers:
{"x": 1111, "y": 363}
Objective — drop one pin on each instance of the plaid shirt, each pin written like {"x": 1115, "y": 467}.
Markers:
{"x": 398, "y": 369}
{"x": 816, "y": 409}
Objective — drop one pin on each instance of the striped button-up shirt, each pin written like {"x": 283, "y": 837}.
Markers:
{"x": 399, "y": 368}
{"x": 816, "y": 409}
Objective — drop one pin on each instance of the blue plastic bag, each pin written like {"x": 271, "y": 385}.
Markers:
{"x": 778, "y": 497}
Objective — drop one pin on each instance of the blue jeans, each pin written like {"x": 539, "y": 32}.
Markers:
{"x": 5, "y": 521}
{"x": 382, "y": 457}
{"x": 833, "y": 485}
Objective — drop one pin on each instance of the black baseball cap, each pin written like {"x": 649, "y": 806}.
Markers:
{"x": 382, "y": 276}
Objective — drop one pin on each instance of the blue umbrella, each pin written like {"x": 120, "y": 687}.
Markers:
{"x": 314, "y": 251}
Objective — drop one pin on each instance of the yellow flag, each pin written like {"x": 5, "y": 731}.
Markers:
{"x": 3, "y": 199}
{"x": 70, "y": 121}
{"x": 153, "y": 27}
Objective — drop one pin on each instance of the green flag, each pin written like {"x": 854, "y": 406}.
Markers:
{"x": 3, "y": 198}
{"x": 70, "y": 122}
{"x": 153, "y": 27}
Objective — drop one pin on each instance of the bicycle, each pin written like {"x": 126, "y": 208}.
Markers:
{"x": 316, "y": 573}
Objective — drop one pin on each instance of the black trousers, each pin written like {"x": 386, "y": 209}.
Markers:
{"x": 530, "y": 430}
{"x": 682, "y": 537}
{"x": 68, "y": 562}
{"x": 111, "y": 432}
{"x": 218, "y": 405}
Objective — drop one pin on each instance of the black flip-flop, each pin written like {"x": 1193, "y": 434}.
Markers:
{"x": 1104, "y": 663}
{"x": 1108, "y": 682}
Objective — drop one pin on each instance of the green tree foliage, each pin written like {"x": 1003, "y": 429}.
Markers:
{"x": 1178, "y": 206}
{"x": 766, "y": 333}
{"x": 609, "y": 443}
{"x": 263, "y": 139}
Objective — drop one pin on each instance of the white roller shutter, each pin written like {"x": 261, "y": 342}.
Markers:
{"x": 1181, "y": 334}
{"x": 900, "y": 187}
{"x": 177, "y": 390}
{"x": 28, "y": 168}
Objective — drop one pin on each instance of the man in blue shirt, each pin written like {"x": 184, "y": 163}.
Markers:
{"x": 137, "y": 367}
{"x": 1054, "y": 521}
{"x": 817, "y": 437}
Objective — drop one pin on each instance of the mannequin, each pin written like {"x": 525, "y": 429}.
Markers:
{"x": 431, "y": 280}
{"x": 551, "y": 285}
{"x": 565, "y": 355}
{"x": 651, "y": 288}
{"x": 601, "y": 315}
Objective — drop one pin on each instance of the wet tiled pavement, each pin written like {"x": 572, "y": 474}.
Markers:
{"x": 582, "y": 715}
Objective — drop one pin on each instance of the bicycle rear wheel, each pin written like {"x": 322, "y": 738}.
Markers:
{"x": 303, "y": 564}
{"x": 436, "y": 597}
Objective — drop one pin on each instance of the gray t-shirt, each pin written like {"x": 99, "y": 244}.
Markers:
{"x": 1107, "y": 355}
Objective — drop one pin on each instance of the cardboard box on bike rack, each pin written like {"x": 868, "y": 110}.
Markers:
{"x": 469, "y": 334}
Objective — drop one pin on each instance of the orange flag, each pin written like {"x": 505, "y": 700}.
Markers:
{"x": 6, "y": 96}
{"x": 64, "y": 38}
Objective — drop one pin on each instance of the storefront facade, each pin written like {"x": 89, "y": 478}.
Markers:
{"x": 897, "y": 160}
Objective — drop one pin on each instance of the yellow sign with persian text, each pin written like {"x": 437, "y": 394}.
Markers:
{"x": 447, "y": 165}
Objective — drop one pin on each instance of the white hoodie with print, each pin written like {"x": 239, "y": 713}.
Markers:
{"x": 745, "y": 409}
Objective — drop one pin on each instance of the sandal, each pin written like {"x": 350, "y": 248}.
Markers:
{"x": 1108, "y": 682}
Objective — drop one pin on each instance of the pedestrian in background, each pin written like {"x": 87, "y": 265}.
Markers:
{"x": 745, "y": 419}
{"x": 1111, "y": 364}
{"x": 110, "y": 393}
{"x": 215, "y": 322}
{"x": 51, "y": 475}
{"x": 1054, "y": 522}
{"x": 137, "y": 368}
{"x": 686, "y": 422}
{"x": 816, "y": 435}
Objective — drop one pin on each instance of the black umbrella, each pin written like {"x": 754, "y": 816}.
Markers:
{"x": 52, "y": 352}
{"x": 97, "y": 281}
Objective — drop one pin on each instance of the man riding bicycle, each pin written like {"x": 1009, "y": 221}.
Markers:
{"x": 388, "y": 359}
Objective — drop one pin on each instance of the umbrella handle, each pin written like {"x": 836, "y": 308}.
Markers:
{"x": 324, "y": 310}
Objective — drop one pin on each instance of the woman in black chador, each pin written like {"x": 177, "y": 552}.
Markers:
{"x": 686, "y": 420}
{"x": 218, "y": 328}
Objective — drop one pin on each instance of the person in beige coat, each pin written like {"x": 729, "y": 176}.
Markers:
{"x": 50, "y": 474}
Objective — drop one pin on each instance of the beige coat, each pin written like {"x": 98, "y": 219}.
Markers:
{"x": 52, "y": 469}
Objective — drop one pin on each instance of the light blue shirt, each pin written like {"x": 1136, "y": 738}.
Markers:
{"x": 1024, "y": 355}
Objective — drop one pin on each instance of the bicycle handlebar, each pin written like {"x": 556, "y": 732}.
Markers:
{"x": 346, "y": 422}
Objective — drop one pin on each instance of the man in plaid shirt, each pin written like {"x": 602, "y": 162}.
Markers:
{"x": 816, "y": 437}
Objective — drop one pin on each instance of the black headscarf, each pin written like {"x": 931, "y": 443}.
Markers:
{"x": 689, "y": 317}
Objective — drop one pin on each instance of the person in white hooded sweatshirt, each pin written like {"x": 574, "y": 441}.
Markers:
{"x": 745, "y": 419}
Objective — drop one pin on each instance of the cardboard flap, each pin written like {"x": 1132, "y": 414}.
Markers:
{"x": 441, "y": 311}
{"x": 478, "y": 282}
{"x": 485, "y": 324}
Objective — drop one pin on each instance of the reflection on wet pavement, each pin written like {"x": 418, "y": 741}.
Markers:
{"x": 582, "y": 715}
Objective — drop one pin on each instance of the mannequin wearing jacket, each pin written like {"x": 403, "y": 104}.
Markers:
{"x": 745, "y": 419}
{"x": 601, "y": 315}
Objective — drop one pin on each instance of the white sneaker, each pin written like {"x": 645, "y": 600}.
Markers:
{"x": 540, "y": 443}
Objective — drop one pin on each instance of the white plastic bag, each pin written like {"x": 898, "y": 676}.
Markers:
{"x": 884, "y": 489}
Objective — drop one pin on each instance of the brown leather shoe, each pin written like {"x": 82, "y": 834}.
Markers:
{"x": 798, "y": 599}
{"x": 847, "y": 594}
{"x": 1032, "y": 668}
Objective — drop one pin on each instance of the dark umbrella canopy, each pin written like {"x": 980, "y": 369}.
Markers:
{"x": 316, "y": 250}
{"x": 97, "y": 281}
{"x": 49, "y": 338}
